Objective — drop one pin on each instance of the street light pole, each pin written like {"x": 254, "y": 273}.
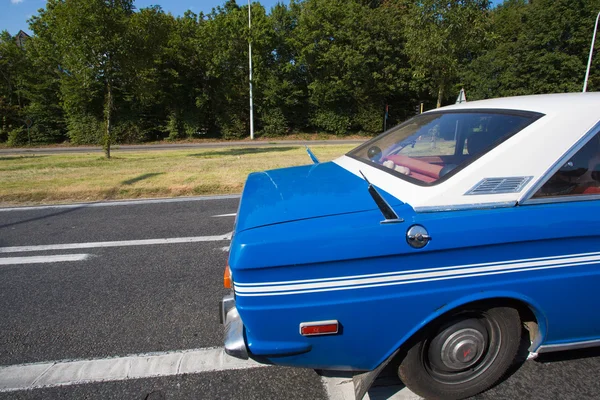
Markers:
{"x": 250, "y": 63}
{"x": 589, "y": 65}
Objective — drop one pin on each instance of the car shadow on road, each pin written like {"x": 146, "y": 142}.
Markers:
{"x": 242, "y": 151}
{"x": 569, "y": 355}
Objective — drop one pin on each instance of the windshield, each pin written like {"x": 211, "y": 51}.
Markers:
{"x": 435, "y": 145}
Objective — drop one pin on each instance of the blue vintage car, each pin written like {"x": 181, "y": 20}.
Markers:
{"x": 442, "y": 242}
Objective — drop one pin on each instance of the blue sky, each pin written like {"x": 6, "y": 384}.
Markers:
{"x": 15, "y": 13}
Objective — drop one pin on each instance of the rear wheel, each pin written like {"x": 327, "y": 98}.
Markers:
{"x": 463, "y": 354}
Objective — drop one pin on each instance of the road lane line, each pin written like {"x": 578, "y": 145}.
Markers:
{"x": 342, "y": 388}
{"x": 122, "y": 203}
{"x": 43, "y": 259}
{"x": 147, "y": 365}
{"x": 123, "y": 243}
{"x": 224, "y": 215}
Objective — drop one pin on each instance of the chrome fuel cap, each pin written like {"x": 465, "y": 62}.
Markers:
{"x": 417, "y": 236}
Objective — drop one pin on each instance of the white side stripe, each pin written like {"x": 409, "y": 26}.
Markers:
{"x": 123, "y": 243}
{"x": 408, "y": 277}
{"x": 407, "y": 282}
{"x": 43, "y": 259}
{"x": 62, "y": 373}
{"x": 339, "y": 278}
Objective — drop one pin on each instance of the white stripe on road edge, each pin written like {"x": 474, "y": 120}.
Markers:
{"x": 123, "y": 203}
{"x": 63, "y": 373}
{"x": 342, "y": 388}
{"x": 225, "y": 215}
{"x": 43, "y": 259}
{"x": 123, "y": 243}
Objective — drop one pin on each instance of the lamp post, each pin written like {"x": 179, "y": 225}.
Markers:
{"x": 250, "y": 64}
{"x": 587, "y": 72}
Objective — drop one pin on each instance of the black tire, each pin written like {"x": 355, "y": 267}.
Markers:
{"x": 463, "y": 354}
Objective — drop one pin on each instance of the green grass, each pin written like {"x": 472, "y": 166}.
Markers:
{"x": 37, "y": 179}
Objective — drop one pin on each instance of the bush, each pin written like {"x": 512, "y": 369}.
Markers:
{"x": 369, "y": 119}
{"x": 191, "y": 128}
{"x": 234, "y": 128}
{"x": 128, "y": 132}
{"x": 331, "y": 122}
{"x": 41, "y": 134}
{"x": 17, "y": 137}
{"x": 84, "y": 129}
{"x": 274, "y": 123}
{"x": 174, "y": 127}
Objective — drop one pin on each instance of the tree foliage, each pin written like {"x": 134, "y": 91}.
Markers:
{"x": 442, "y": 36}
{"x": 101, "y": 71}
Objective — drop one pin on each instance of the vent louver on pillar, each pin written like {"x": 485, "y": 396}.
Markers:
{"x": 500, "y": 185}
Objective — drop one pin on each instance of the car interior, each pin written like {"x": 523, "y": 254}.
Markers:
{"x": 579, "y": 176}
{"x": 467, "y": 142}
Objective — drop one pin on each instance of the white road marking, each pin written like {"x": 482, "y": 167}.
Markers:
{"x": 64, "y": 373}
{"x": 123, "y": 243}
{"x": 123, "y": 203}
{"x": 225, "y": 248}
{"x": 342, "y": 388}
{"x": 225, "y": 215}
{"x": 43, "y": 259}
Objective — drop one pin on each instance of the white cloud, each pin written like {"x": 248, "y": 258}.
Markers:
{"x": 16, "y": 1}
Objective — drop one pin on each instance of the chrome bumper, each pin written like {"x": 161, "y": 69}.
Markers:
{"x": 235, "y": 345}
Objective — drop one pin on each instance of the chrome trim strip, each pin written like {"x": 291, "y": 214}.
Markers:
{"x": 562, "y": 199}
{"x": 226, "y": 304}
{"x": 568, "y": 346}
{"x": 527, "y": 197}
{"x": 465, "y": 207}
{"x": 235, "y": 345}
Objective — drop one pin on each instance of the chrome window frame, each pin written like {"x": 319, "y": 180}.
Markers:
{"x": 528, "y": 196}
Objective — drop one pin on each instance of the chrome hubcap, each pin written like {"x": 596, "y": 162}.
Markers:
{"x": 459, "y": 347}
{"x": 462, "y": 349}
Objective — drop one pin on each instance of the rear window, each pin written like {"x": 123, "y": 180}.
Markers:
{"x": 432, "y": 147}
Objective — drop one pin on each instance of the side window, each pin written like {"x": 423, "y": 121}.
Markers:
{"x": 579, "y": 176}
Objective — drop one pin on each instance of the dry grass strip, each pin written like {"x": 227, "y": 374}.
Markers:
{"x": 46, "y": 179}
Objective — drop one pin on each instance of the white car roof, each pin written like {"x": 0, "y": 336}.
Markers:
{"x": 541, "y": 103}
{"x": 531, "y": 153}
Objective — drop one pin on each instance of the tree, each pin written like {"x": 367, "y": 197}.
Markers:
{"x": 441, "y": 36}
{"x": 13, "y": 63}
{"x": 541, "y": 47}
{"x": 92, "y": 39}
{"x": 495, "y": 73}
{"x": 156, "y": 85}
{"x": 353, "y": 57}
{"x": 42, "y": 84}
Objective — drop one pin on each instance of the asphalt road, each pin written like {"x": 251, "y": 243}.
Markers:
{"x": 145, "y": 297}
{"x": 178, "y": 146}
